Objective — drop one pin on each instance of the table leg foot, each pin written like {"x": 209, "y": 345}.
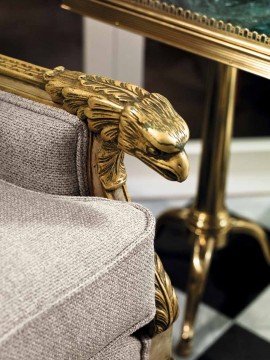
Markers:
{"x": 200, "y": 263}
{"x": 206, "y": 233}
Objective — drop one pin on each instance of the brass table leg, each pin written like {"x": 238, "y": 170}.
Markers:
{"x": 201, "y": 259}
{"x": 208, "y": 219}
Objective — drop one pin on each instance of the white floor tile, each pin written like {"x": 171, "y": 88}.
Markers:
{"x": 256, "y": 317}
{"x": 210, "y": 325}
{"x": 255, "y": 208}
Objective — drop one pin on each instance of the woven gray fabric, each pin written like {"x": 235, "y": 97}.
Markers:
{"x": 124, "y": 348}
{"x": 76, "y": 273}
{"x": 42, "y": 148}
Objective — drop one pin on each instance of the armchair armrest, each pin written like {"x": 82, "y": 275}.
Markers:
{"x": 122, "y": 118}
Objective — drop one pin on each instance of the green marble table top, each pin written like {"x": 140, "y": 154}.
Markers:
{"x": 254, "y": 15}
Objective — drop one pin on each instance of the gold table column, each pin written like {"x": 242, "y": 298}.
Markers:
{"x": 208, "y": 219}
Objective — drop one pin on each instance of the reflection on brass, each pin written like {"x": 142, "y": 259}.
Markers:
{"x": 208, "y": 220}
{"x": 161, "y": 346}
{"x": 122, "y": 118}
{"x": 166, "y": 299}
{"x": 156, "y": 19}
{"x": 22, "y": 70}
{"x": 24, "y": 79}
{"x": 127, "y": 119}
{"x": 202, "y": 254}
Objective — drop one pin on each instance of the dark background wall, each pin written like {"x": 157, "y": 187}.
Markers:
{"x": 182, "y": 78}
{"x": 39, "y": 31}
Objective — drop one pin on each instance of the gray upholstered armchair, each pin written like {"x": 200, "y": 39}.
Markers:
{"x": 79, "y": 278}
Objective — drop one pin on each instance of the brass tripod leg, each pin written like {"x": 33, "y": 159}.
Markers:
{"x": 208, "y": 219}
{"x": 201, "y": 259}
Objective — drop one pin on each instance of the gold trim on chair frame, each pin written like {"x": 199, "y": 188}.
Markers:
{"x": 122, "y": 118}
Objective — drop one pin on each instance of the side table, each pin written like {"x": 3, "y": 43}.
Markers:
{"x": 233, "y": 47}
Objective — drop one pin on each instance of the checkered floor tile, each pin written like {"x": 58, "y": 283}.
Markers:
{"x": 233, "y": 321}
{"x": 218, "y": 337}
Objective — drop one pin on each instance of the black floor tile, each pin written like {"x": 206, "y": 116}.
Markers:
{"x": 237, "y": 275}
{"x": 238, "y": 344}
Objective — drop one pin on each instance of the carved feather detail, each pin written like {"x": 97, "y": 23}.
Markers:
{"x": 110, "y": 133}
{"x": 73, "y": 99}
{"x": 111, "y": 169}
{"x": 102, "y": 113}
{"x": 166, "y": 299}
{"x": 117, "y": 90}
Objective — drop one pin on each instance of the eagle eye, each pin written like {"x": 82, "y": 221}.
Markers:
{"x": 154, "y": 151}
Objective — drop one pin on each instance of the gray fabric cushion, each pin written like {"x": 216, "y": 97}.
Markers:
{"x": 76, "y": 274}
{"x": 42, "y": 148}
{"x": 124, "y": 348}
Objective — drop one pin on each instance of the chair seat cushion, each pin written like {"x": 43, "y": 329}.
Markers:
{"x": 76, "y": 274}
{"x": 123, "y": 348}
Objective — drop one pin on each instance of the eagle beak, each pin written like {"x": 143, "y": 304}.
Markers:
{"x": 175, "y": 168}
{"x": 178, "y": 166}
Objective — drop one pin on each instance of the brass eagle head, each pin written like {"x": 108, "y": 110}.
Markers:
{"x": 125, "y": 119}
{"x": 151, "y": 130}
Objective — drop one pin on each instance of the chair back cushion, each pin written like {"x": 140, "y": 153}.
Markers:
{"x": 42, "y": 148}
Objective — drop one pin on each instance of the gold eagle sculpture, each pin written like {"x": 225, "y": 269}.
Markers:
{"x": 127, "y": 119}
